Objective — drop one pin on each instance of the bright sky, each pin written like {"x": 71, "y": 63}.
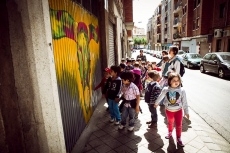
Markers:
{"x": 143, "y": 10}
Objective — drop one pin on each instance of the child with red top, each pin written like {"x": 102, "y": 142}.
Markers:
{"x": 154, "y": 66}
{"x": 103, "y": 82}
{"x": 104, "y": 79}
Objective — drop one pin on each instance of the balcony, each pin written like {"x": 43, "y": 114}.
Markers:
{"x": 176, "y": 22}
{"x": 178, "y": 7}
{"x": 158, "y": 30}
{"x": 158, "y": 23}
{"x": 177, "y": 35}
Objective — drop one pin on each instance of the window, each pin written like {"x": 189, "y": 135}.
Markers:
{"x": 184, "y": 9}
{"x": 197, "y": 23}
{"x": 194, "y": 25}
{"x": 194, "y": 4}
{"x": 214, "y": 57}
{"x": 207, "y": 56}
{"x": 222, "y": 10}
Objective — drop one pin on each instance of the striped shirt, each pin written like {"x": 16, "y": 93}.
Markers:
{"x": 130, "y": 92}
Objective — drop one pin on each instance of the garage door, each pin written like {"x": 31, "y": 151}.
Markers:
{"x": 111, "y": 45}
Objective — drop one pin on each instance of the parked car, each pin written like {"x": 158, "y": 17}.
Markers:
{"x": 191, "y": 60}
{"x": 159, "y": 54}
{"x": 180, "y": 54}
{"x": 154, "y": 53}
{"x": 216, "y": 62}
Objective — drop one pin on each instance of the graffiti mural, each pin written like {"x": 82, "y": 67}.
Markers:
{"x": 76, "y": 53}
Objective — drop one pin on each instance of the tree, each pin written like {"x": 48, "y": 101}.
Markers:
{"x": 139, "y": 41}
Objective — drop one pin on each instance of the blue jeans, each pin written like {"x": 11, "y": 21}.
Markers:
{"x": 153, "y": 111}
{"x": 114, "y": 110}
{"x": 128, "y": 111}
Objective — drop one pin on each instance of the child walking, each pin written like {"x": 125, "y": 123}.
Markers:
{"x": 175, "y": 102}
{"x": 112, "y": 90}
{"x": 103, "y": 82}
{"x": 152, "y": 92}
{"x": 131, "y": 97}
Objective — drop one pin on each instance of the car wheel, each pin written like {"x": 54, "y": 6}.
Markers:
{"x": 202, "y": 69}
{"x": 221, "y": 73}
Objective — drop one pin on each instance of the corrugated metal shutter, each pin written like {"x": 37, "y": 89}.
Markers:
{"x": 204, "y": 47}
{"x": 111, "y": 45}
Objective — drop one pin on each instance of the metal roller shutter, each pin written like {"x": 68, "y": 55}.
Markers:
{"x": 111, "y": 45}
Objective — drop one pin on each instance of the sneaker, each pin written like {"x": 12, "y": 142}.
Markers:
{"x": 152, "y": 125}
{"x": 179, "y": 142}
{"x": 112, "y": 120}
{"x": 169, "y": 135}
{"x": 149, "y": 122}
{"x": 131, "y": 128}
{"x": 121, "y": 127}
{"x": 117, "y": 123}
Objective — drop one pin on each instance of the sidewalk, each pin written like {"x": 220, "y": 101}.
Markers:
{"x": 197, "y": 136}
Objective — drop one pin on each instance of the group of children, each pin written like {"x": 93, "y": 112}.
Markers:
{"x": 124, "y": 83}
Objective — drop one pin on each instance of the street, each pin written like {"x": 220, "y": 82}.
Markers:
{"x": 208, "y": 96}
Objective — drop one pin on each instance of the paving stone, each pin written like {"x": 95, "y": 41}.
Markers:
{"x": 190, "y": 149}
{"x": 91, "y": 151}
{"x": 123, "y": 149}
{"x": 106, "y": 137}
{"x": 212, "y": 146}
{"x": 206, "y": 139}
{"x": 158, "y": 141}
{"x": 96, "y": 142}
{"x": 198, "y": 145}
{"x": 87, "y": 148}
{"x": 132, "y": 144}
{"x": 113, "y": 144}
{"x": 99, "y": 133}
{"x": 205, "y": 149}
{"x": 112, "y": 151}
{"x": 92, "y": 137}
{"x": 123, "y": 139}
{"x": 103, "y": 149}
{"x": 152, "y": 146}
{"x": 143, "y": 149}
{"x": 116, "y": 134}
{"x": 202, "y": 133}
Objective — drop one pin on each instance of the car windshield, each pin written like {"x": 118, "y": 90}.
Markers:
{"x": 193, "y": 56}
{"x": 225, "y": 57}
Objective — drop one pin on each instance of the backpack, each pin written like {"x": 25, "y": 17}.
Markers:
{"x": 167, "y": 64}
{"x": 182, "y": 69}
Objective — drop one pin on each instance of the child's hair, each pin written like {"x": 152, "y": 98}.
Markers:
{"x": 165, "y": 58}
{"x": 127, "y": 76}
{"x": 149, "y": 65}
{"x": 122, "y": 65}
{"x": 171, "y": 76}
{"x": 154, "y": 75}
{"x": 174, "y": 49}
{"x": 116, "y": 69}
{"x": 136, "y": 64}
{"x": 165, "y": 52}
{"x": 154, "y": 63}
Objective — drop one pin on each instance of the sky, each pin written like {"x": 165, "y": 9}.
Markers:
{"x": 143, "y": 10}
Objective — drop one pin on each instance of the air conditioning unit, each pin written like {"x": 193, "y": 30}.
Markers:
{"x": 226, "y": 33}
{"x": 218, "y": 32}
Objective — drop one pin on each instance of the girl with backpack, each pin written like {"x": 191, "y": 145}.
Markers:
{"x": 175, "y": 63}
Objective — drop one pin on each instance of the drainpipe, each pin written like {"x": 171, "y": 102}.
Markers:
{"x": 225, "y": 25}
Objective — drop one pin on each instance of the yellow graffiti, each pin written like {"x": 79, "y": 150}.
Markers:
{"x": 76, "y": 52}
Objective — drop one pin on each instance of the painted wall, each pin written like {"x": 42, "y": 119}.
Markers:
{"x": 75, "y": 36}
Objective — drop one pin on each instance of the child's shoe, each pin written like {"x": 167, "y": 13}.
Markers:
{"x": 179, "y": 142}
{"x": 149, "y": 122}
{"x": 112, "y": 120}
{"x": 152, "y": 125}
{"x": 131, "y": 128}
{"x": 117, "y": 123}
{"x": 169, "y": 135}
{"x": 121, "y": 127}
